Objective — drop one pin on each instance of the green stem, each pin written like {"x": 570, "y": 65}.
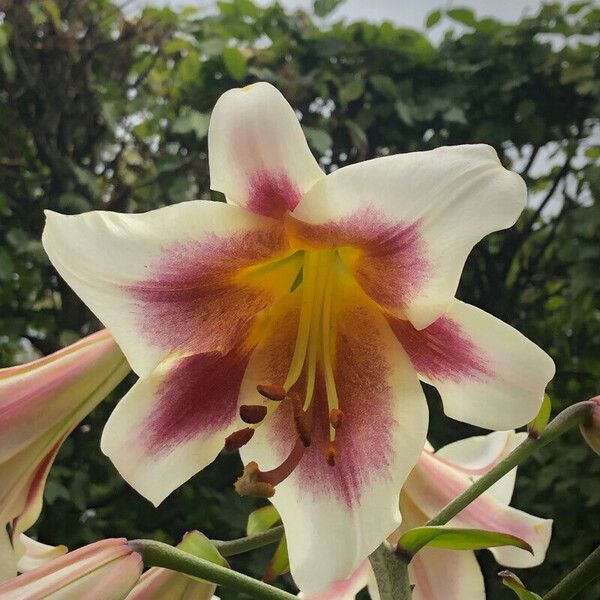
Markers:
{"x": 251, "y": 542}
{"x": 157, "y": 554}
{"x": 391, "y": 573}
{"x": 577, "y": 579}
{"x": 568, "y": 418}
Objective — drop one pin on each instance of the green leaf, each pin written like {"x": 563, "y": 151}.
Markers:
{"x": 235, "y": 63}
{"x": 463, "y": 15}
{"x": 357, "y": 135}
{"x": 352, "y": 90}
{"x": 457, "y": 538}
{"x": 318, "y": 139}
{"x": 53, "y": 12}
{"x": 192, "y": 121}
{"x": 384, "y": 85}
{"x": 72, "y": 203}
{"x": 196, "y": 543}
{"x": 512, "y": 582}
{"x": 539, "y": 423}
{"x": 433, "y": 18}
{"x": 262, "y": 519}
{"x": 404, "y": 112}
{"x": 279, "y": 564}
{"x": 322, "y": 8}
{"x": 7, "y": 267}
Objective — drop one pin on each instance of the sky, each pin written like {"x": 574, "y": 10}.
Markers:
{"x": 411, "y": 13}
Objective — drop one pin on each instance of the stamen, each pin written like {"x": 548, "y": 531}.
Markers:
{"x": 302, "y": 421}
{"x": 238, "y": 439}
{"x": 252, "y": 413}
{"x": 255, "y": 482}
{"x": 310, "y": 267}
{"x": 336, "y": 417}
{"x": 249, "y": 483}
{"x": 332, "y": 397}
{"x": 272, "y": 392}
{"x": 331, "y": 454}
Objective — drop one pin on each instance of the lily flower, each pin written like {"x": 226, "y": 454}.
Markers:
{"x": 107, "y": 569}
{"x": 436, "y": 480}
{"x": 40, "y": 404}
{"x": 295, "y": 320}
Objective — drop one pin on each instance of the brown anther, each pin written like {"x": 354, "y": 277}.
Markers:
{"x": 252, "y": 413}
{"x": 336, "y": 417}
{"x": 331, "y": 454}
{"x": 250, "y": 484}
{"x": 302, "y": 421}
{"x": 272, "y": 392}
{"x": 238, "y": 438}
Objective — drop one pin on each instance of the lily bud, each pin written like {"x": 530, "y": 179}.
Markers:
{"x": 40, "y": 404}
{"x": 590, "y": 430}
{"x": 107, "y": 569}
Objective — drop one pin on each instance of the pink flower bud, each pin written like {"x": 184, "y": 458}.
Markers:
{"x": 107, "y": 569}
{"x": 590, "y": 430}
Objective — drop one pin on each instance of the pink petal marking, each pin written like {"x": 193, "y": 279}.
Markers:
{"x": 49, "y": 375}
{"x": 364, "y": 442}
{"x": 191, "y": 301}
{"x": 200, "y": 394}
{"x": 442, "y": 351}
{"x": 391, "y": 265}
{"x": 272, "y": 194}
{"x": 442, "y": 483}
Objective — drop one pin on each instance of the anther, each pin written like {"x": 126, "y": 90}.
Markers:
{"x": 302, "y": 421}
{"x": 238, "y": 438}
{"x": 252, "y": 413}
{"x": 336, "y": 417}
{"x": 330, "y": 455}
{"x": 272, "y": 392}
{"x": 250, "y": 484}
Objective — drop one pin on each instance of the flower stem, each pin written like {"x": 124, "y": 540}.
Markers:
{"x": 391, "y": 573}
{"x": 568, "y": 418}
{"x": 157, "y": 554}
{"x": 577, "y": 579}
{"x": 251, "y": 542}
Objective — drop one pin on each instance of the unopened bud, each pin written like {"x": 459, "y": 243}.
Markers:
{"x": 590, "y": 428}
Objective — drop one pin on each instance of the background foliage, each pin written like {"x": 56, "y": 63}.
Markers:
{"x": 100, "y": 111}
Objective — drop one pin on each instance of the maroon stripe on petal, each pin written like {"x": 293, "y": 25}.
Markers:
{"x": 390, "y": 259}
{"x": 191, "y": 300}
{"x": 199, "y": 395}
{"x": 364, "y": 442}
{"x": 442, "y": 351}
{"x": 272, "y": 194}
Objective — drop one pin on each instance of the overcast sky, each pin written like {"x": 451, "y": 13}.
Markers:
{"x": 410, "y": 13}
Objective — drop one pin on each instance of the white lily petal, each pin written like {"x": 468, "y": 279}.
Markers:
{"x": 258, "y": 155}
{"x": 167, "y": 280}
{"x": 413, "y": 218}
{"x": 487, "y": 373}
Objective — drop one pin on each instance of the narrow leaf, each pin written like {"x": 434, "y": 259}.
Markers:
{"x": 262, "y": 519}
{"x": 512, "y": 582}
{"x": 457, "y": 538}
{"x": 199, "y": 545}
{"x": 279, "y": 564}
{"x": 433, "y": 18}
